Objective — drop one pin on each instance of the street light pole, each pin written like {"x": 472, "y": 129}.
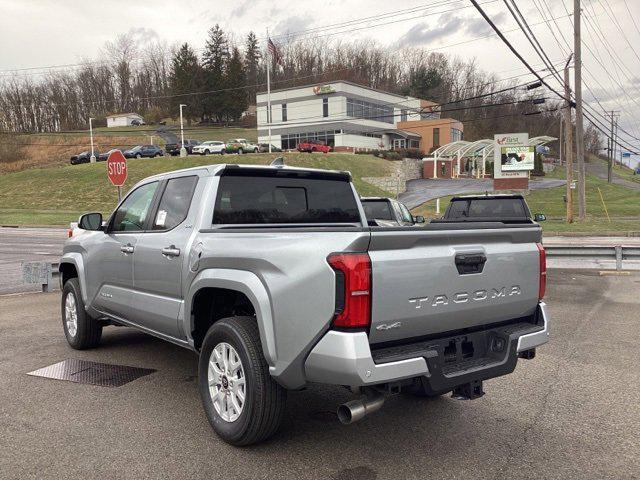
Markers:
{"x": 92, "y": 159}
{"x": 183, "y": 150}
{"x": 577, "y": 47}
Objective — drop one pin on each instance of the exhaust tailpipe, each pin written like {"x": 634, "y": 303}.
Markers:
{"x": 357, "y": 409}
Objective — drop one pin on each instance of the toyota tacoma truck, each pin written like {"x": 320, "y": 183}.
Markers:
{"x": 273, "y": 277}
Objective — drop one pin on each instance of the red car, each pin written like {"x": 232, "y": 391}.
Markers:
{"x": 313, "y": 146}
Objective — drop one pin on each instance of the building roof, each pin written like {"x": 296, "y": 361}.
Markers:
{"x": 339, "y": 81}
{"x": 124, "y": 115}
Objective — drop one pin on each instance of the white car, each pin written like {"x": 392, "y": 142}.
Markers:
{"x": 213, "y": 146}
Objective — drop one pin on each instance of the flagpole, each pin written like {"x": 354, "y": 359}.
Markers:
{"x": 269, "y": 89}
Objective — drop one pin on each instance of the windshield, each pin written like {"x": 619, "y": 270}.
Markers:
{"x": 136, "y": 148}
{"x": 377, "y": 210}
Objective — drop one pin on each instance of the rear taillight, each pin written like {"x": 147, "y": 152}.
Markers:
{"x": 543, "y": 271}
{"x": 353, "y": 289}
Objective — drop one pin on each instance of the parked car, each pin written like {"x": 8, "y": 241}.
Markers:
{"x": 173, "y": 149}
{"x": 104, "y": 156}
{"x": 212, "y": 146}
{"x": 271, "y": 285}
{"x": 387, "y": 212}
{"x": 481, "y": 208}
{"x": 241, "y": 145}
{"x": 313, "y": 146}
{"x": 264, "y": 148}
{"x": 83, "y": 157}
{"x": 147, "y": 151}
{"x": 136, "y": 123}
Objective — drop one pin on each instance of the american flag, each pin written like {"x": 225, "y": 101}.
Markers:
{"x": 273, "y": 50}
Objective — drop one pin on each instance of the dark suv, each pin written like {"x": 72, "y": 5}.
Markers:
{"x": 173, "y": 149}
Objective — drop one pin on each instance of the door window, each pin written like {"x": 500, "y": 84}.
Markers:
{"x": 175, "y": 202}
{"x": 132, "y": 214}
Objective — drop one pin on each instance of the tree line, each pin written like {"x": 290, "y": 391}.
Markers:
{"x": 219, "y": 81}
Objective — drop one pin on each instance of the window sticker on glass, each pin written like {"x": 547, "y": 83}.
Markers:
{"x": 161, "y": 218}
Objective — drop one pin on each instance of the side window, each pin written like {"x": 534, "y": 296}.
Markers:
{"x": 406, "y": 214}
{"x": 131, "y": 215}
{"x": 175, "y": 203}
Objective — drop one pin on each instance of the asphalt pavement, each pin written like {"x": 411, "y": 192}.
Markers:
{"x": 26, "y": 244}
{"x": 422, "y": 190}
{"x": 572, "y": 412}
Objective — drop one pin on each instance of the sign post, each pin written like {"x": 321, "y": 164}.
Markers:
{"x": 117, "y": 170}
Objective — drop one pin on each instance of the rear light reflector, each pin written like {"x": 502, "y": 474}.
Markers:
{"x": 543, "y": 271}
{"x": 353, "y": 289}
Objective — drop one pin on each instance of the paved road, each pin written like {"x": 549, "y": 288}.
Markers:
{"x": 422, "y": 190}
{"x": 599, "y": 169}
{"x": 26, "y": 244}
{"x": 572, "y": 412}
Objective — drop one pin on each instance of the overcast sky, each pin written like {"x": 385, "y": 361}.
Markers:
{"x": 40, "y": 33}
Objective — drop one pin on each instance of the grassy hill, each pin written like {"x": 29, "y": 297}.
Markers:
{"x": 45, "y": 150}
{"x": 57, "y": 196}
{"x": 623, "y": 205}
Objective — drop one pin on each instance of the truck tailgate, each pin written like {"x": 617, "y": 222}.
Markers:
{"x": 426, "y": 282}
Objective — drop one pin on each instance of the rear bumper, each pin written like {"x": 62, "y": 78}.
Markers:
{"x": 344, "y": 358}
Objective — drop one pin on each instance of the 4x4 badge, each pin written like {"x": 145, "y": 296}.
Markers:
{"x": 389, "y": 326}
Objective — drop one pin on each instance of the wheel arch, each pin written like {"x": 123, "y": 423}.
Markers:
{"x": 228, "y": 288}
{"x": 72, "y": 265}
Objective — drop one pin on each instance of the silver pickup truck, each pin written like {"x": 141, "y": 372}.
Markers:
{"x": 272, "y": 275}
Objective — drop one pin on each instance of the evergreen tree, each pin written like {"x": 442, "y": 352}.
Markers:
{"x": 214, "y": 63}
{"x": 236, "y": 81}
{"x": 186, "y": 75}
{"x": 251, "y": 60}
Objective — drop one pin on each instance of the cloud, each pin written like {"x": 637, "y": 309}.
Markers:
{"x": 244, "y": 7}
{"x": 142, "y": 35}
{"x": 293, "y": 24}
{"x": 424, "y": 33}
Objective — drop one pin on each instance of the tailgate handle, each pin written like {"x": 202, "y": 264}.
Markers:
{"x": 470, "y": 263}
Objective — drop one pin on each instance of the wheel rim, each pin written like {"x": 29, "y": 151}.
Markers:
{"x": 227, "y": 382}
{"x": 71, "y": 314}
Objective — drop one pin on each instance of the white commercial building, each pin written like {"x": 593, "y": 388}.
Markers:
{"x": 342, "y": 114}
{"x": 123, "y": 119}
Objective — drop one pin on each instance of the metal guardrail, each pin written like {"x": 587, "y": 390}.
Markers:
{"x": 43, "y": 273}
{"x": 608, "y": 252}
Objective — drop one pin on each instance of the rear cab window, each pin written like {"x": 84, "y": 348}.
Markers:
{"x": 377, "y": 209}
{"x": 263, "y": 196}
{"x": 491, "y": 208}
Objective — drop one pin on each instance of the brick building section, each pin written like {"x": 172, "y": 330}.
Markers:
{"x": 425, "y": 128}
{"x": 427, "y": 169}
{"x": 514, "y": 183}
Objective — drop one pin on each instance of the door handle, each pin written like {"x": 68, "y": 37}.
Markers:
{"x": 126, "y": 248}
{"x": 171, "y": 251}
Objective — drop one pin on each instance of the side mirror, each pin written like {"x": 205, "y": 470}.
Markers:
{"x": 90, "y": 221}
{"x": 539, "y": 217}
{"x": 419, "y": 219}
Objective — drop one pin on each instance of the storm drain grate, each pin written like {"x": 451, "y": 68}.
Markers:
{"x": 91, "y": 373}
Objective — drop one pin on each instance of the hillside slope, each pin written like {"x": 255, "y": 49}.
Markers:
{"x": 57, "y": 196}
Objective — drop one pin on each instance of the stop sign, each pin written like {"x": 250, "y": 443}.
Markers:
{"x": 117, "y": 168}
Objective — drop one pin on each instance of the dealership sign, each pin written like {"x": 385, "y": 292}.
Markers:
{"x": 516, "y": 159}
{"x": 323, "y": 89}
{"x": 509, "y": 141}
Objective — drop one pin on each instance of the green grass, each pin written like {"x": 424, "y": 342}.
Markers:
{"x": 623, "y": 205}
{"x": 57, "y": 196}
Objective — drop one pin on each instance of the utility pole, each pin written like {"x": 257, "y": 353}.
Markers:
{"x": 577, "y": 48}
{"x": 568, "y": 149}
{"x": 183, "y": 150}
{"x": 92, "y": 158}
{"x": 611, "y": 141}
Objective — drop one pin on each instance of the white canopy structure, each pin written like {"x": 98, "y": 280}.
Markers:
{"x": 480, "y": 148}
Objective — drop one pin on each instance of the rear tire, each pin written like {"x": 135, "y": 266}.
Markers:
{"x": 246, "y": 384}
{"x": 255, "y": 150}
{"x": 81, "y": 330}
{"x": 240, "y": 151}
